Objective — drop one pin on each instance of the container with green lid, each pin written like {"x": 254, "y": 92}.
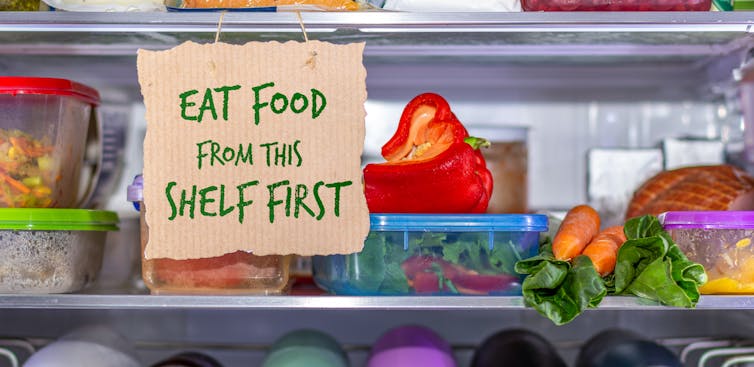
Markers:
{"x": 51, "y": 250}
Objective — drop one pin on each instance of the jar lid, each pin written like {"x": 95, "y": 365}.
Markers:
{"x": 45, "y": 219}
{"x": 459, "y": 222}
{"x": 708, "y": 220}
{"x": 51, "y": 86}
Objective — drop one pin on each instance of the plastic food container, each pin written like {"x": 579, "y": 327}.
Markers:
{"x": 235, "y": 273}
{"x": 616, "y": 5}
{"x": 409, "y": 346}
{"x": 51, "y": 250}
{"x": 435, "y": 254}
{"x": 507, "y": 160}
{"x": 43, "y": 135}
{"x": 721, "y": 242}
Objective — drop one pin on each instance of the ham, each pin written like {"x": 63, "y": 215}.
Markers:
{"x": 720, "y": 187}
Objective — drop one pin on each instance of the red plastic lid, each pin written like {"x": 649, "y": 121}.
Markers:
{"x": 52, "y": 86}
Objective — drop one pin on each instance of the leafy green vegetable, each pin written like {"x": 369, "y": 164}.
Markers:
{"x": 379, "y": 266}
{"x": 395, "y": 281}
{"x": 558, "y": 290}
{"x": 650, "y": 265}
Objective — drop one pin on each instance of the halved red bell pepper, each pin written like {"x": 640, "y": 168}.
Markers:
{"x": 430, "y": 168}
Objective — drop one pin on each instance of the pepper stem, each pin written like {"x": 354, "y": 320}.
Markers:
{"x": 477, "y": 143}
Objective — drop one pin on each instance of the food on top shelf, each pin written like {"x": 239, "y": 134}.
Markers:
{"x": 433, "y": 166}
{"x": 603, "y": 249}
{"x": 27, "y": 170}
{"x": 721, "y": 187}
{"x": 435, "y": 254}
{"x": 411, "y": 346}
{"x": 21, "y": 5}
{"x": 721, "y": 242}
{"x": 332, "y": 5}
{"x": 516, "y": 348}
{"x": 578, "y": 228}
{"x": 616, "y": 5}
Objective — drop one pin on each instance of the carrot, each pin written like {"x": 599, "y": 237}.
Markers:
{"x": 603, "y": 250}
{"x": 580, "y": 225}
{"x": 18, "y": 185}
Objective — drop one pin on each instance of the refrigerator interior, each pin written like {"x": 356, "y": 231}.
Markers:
{"x": 574, "y": 89}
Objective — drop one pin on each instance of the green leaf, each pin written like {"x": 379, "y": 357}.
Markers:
{"x": 503, "y": 258}
{"x": 634, "y": 256}
{"x": 395, "y": 280}
{"x": 650, "y": 265}
{"x": 452, "y": 252}
{"x": 558, "y": 290}
{"x": 642, "y": 227}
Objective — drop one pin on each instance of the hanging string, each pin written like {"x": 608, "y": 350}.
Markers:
{"x": 219, "y": 26}
{"x": 303, "y": 28}
{"x": 312, "y": 61}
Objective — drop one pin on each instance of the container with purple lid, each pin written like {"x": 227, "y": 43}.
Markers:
{"x": 719, "y": 240}
{"x": 411, "y": 346}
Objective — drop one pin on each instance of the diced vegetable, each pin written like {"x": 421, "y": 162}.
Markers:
{"x": 26, "y": 170}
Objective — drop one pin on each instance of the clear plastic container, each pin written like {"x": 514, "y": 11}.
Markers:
{"x": 239, "y": 272}
{"x": 435, "y": 254}
{"x": 507, "y": 160}
{"x": 616, "y": 5}
{"x": 722, "y": 242}
{"x": 43, "y": 134}
{"x": 51, "y": 250}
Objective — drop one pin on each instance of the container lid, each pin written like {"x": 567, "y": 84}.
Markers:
{"x": 708, "y": 220}
{"x": 458, "y": 222}
{"x": 51, "y": 86}
{"x": 136, "y": 189}
{"x": 44, "y": 219}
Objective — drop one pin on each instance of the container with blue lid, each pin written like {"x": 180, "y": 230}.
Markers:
{"x": 435, "y": 254}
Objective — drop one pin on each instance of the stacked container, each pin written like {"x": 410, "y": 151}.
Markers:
{"x": 47, "y": 243}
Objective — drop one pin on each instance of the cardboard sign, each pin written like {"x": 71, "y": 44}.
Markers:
{"x": 254, "y": 147}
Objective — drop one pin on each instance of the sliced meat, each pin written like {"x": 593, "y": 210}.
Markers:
{"x": 720, "y": 187}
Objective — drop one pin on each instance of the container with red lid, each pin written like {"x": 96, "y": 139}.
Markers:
{"x": 43, "y": 135}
